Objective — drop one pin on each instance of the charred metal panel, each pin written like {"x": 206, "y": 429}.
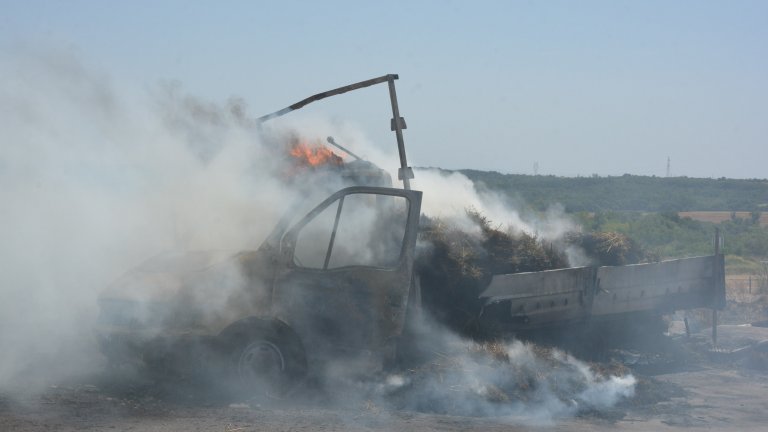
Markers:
{"x": 540, "y": 298}
{"x": 355, "y": 309}
{"x": 350, "y": 307}
{"x": 666, "y": 286}
{"x": 193, "y": 291}
{"x": 553, "y": 297}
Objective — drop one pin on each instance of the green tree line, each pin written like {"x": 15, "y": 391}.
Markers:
{"x": 628, "y": 192}
{"x": 667, "y": 235}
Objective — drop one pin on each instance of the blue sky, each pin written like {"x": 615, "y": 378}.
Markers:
{"x": 605, "y": 87}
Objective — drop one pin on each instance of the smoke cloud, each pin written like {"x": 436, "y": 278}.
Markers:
{"x": 97, "y": 176}
{"x": 452, "y": 194}
{"x": 513, "y": 381}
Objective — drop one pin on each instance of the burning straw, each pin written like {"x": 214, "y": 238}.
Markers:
{"x": 527, "y": 382}
{"x": 456, "y": 265}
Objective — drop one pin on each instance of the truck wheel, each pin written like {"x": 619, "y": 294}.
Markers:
{"x": 261, "y": 361}
{"x": 264, "y": 361}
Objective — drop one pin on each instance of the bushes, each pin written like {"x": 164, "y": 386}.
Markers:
{"x": 628, "y": 192}
{"x": 671, "y": 236}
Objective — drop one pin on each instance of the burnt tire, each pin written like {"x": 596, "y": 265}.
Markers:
{"x": 262, "y": 359}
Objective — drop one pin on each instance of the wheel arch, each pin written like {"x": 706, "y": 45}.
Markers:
{"x": 275, "y": 325}
{"x": 284, "y": 335}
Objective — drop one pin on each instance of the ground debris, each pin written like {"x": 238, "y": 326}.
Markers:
{"x": 508, "y": 378}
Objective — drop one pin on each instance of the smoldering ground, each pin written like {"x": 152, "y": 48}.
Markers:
{"x": 514, "y": 381}
{"x": 97, "y": 175}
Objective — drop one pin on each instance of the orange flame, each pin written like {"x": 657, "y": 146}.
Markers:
{"x": 315, "y": 155}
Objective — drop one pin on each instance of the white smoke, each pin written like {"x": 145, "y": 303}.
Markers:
{"x": 450, "y": 194}
{"x": 345, "y": 133}
{"x": 512, "y": 381}
{"x": 95, "y": 177}
{"x": 526, "y": 388}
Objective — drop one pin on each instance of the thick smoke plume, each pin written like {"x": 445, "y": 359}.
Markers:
{"x": 520, "y": 381}
{"x": 96, "y": 176}
{"x": 513, "y": 381}
{"x": 452, "y": 194}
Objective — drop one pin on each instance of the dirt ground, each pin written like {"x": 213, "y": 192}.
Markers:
{"x": 698, "y": 389}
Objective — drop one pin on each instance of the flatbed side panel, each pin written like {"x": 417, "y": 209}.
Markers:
{"x": 539, "y": 298}
{"x": 666, "y": 286}
{"x": 556, "y": 297}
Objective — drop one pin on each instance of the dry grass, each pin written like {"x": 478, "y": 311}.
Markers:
{"x": 609, "y": 248}
{"x": 745, "y": 305}
{"x": 745, "y": 288}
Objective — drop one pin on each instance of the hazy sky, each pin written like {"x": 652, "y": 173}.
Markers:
{"x": 580, "y": 87}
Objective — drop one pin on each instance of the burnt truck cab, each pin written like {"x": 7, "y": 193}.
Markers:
{"x": 333, "y": 284}
{"x": 345, "y": 272}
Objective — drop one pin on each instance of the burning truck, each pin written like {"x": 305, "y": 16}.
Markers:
{"x": 338, "y": 281}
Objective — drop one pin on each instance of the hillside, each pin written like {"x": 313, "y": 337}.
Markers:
{"x": 629, "y": 192}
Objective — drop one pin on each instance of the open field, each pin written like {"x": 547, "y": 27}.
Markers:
{"x": 722, "y": 216}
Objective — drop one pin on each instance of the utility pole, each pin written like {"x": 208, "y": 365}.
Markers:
{"x": 718, "y": 240}
{"x": 668, "y": 166}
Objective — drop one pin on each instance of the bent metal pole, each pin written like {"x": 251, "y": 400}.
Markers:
{"x": 405, "y": 173}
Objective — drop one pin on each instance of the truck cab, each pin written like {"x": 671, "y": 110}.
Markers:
{"x": 335, "y": 283}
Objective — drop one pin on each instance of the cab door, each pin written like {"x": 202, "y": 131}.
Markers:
{"x": 348, "y": 269}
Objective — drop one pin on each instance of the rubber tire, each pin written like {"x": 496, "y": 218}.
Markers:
{"x": 249, "y": 343}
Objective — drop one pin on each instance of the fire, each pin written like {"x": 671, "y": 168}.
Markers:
{"x": 315, "y": 155}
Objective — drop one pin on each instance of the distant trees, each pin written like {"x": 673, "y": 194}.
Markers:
{"x": 667, "y": 235}
{"x": 628, "y": 192}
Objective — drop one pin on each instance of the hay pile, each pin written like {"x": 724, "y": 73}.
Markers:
{"x": 514, "y": 379}
{"x": 608, "y": 248}
{"x": 455, "y": 266}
